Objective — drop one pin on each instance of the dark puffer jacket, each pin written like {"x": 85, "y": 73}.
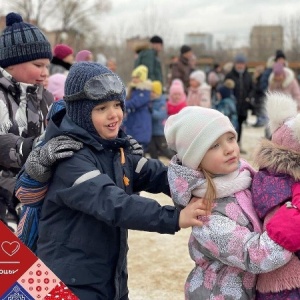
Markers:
{"x": 89, "y": 207}
{"x": 243, "y": 90}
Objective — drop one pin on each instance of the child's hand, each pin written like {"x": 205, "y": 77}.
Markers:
{"x": 188, "y": 215}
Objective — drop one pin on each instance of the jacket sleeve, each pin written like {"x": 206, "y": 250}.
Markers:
{"x": 160, "y": 113}
{"x": 151, "y": 175}
{"x": 14, "y": 150}
{"x": 86, "y": 190}
{"x": 138, "y": 100}
{"x": 237, "y": 246}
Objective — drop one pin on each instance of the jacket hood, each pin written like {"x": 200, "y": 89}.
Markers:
{"x": 277, "y": 159}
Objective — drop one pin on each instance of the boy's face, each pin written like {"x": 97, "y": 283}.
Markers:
{"x": 107, "y": 118}
{"x": 223, "y": 156}
{"x": 31, "y": 72}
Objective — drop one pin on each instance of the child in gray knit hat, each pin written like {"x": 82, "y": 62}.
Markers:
{"x": 92, "y": 200}
{"x": 25, "y": 54}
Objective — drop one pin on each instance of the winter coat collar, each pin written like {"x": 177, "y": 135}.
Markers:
{"x": 145, "y": 85}
{"x": 278, "y": 159}
{"x": 60, "y": 62}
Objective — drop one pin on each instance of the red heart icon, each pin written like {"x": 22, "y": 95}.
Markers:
{"x": 10, "y": 248}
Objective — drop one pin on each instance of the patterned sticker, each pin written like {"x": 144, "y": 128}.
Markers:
{"x": 23, "y": 275}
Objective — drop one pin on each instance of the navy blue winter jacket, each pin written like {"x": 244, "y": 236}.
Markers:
{"x": 89, "y": 207}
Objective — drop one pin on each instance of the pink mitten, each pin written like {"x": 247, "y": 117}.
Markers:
{"x": 283, "y": 227}
{"x": 296, "y": 194}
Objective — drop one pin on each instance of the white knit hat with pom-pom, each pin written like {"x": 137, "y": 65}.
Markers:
{"x": 193, "y": 130}
{"x": 284, "y": 120}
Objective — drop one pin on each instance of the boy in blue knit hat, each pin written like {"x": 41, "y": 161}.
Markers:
{"x": 25, "y": 54}
{"x": 92, "y": 200}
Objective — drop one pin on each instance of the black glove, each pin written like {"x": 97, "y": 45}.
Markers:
{"x": 136, "y": 148}
{"x": 40, "y": 161}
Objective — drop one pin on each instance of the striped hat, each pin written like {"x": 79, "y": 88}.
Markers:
{"x": 21, "y": 42}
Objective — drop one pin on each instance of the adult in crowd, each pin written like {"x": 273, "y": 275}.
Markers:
{"x": 280, "y": 57}
{"x": 63, "y": 59}
{"x": 24, "y": 103}
{"x": 149, "y": 58}
{"x": 183, "y": 68}
{"x": 243, "y": 91}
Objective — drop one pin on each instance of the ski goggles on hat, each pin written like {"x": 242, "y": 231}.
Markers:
{"x": 99, "y": 88}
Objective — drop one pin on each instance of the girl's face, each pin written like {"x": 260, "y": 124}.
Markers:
{"x": 194, "y": 83}
{"x": 223, "y": 156}
{"x": 107, "y": 118}
{"x": 176, "y": 97}
{"x": 31, "y": 72}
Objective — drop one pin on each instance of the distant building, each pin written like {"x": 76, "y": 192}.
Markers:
{"x": 264, "y": 40}
{"x": 202, "y": 40}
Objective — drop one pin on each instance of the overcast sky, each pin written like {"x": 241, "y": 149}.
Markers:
{"x": 172, "y": 19}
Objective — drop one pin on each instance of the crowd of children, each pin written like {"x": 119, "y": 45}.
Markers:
{"x": 244, "y": 239}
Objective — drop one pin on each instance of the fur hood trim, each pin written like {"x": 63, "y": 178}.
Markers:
{"x": 289, "y": 77}
{"x": 280, "y": 108}
{"x": 277, "y": 159}
{"x": 145, "y": 85}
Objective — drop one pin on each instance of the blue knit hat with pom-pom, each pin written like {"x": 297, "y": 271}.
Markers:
{"x": 89, "y": 84}
{"x": 21, "y": 42}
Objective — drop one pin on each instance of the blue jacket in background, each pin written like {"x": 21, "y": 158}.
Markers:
{"x": 159, "y": 115}
{"x": 138, "y": 120}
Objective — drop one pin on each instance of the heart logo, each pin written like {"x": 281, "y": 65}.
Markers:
{"x": 10, "y": 248}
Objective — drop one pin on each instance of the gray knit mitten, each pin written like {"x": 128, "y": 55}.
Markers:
{"x": 136, "y": 148}
{"x": 41, "y": 159}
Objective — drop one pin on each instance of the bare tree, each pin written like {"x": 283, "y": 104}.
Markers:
{"x": 73, "y": 18}
{"x": 34, "y": 10}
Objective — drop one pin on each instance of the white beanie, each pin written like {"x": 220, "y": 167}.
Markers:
{"x": 193, "y": 130}
{"x": 199, "y": 76}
